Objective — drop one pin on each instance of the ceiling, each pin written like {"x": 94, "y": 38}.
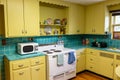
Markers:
{"x": 85, "y": 2}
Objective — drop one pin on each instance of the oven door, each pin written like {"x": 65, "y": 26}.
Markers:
{"x": 53, "y": 68}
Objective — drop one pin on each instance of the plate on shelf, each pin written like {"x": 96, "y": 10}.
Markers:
{"x": 48, "y": 30}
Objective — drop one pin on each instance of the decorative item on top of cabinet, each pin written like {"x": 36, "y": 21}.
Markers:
{"x": 54, "y": 16}
{"x": 21, "y": 18}
{"x": 26, "y": 69}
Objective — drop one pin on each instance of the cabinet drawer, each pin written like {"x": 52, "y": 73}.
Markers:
{"x": 92, "y": 52}
{"x": 92, "y": 67}
{"x": 91, "y": 59}
{"x": 37, "y": 61}
{"x": 20, "y": 64}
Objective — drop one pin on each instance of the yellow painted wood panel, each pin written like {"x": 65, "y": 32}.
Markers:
{"x": 15, "y": 24}
{"x": 22, "y": 74}
{"x": 80, "y": 66}
{"x": 89, "y": 20}
{"x": 95, "y": 19}
{"x": 2, "y": 23}
{"x": 38, "y": 72}
{"x": 31, "y": 17}
{"x": 51, "y": 12}
{"x": 106, "y": 67}
{"x": 76, "y": 19}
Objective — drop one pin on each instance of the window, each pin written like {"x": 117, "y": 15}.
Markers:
{"x": 115, "y": 23}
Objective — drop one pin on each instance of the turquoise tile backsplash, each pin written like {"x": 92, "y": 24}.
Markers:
{"x": 69, "y": 40}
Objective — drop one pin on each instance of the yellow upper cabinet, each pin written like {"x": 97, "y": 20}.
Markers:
{"x": 2, "y": 31}
{"x": 21, "y": 18}
{"x": 95, "y": 19}
{"x": 31, "y": 17}
{"x": 76, "y": 19}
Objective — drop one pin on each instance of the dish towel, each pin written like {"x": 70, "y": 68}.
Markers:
{"x": 60, "y": 59}
{"x": 71, "y": 57}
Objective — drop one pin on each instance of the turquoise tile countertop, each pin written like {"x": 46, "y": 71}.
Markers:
{"x": 76, "y": 47}
{"x": 16, "y": 56}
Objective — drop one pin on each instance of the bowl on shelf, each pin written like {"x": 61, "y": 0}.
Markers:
{"x": 57, "y": 21}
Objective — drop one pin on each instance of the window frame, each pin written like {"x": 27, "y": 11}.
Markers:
{"x": 113, "y": 25}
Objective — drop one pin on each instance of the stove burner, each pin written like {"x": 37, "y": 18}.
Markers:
{"x": 49, "y": 52}
{"x": 58, "y": 51}
{"x": 46, "y": 51}
{"x": 52, "y": 49}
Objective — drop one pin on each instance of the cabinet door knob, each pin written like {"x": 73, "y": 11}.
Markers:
{"x": 37, "y": 69}
{"x": 20, "y": 65}
{"x": 37, "y": 62}
{"x": 25, "y": 31}
{"x": 21, "y": 73}
{"x": 116, "y": 65}
{"x": 22, "y": 31}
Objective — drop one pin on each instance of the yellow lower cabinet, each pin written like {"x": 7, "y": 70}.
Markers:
{"x": 80, "y": 60}
{"x": 92, "y": 60}
{"x": 38, "y": 73}
{"x": 26, "y": 69}
{"x": 116, "y": 64}
{"x": 22, "y": 74}
{"x": 106, "y": 64}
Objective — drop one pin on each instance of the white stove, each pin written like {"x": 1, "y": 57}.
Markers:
{"x": 58, "y": 66}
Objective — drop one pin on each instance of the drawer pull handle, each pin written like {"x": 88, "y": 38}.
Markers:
{"x": 37, "y": 62}
{"x": 91, "y": 67}
{"x": 21, "y": 73}
{"x": 91, "y": 59}
{"x": 38, "y": 69}
{"x": 20, "y": 65}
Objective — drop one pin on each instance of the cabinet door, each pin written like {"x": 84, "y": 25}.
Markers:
{"x": 106, "y": 64}
{"x": 89, "y": 29}
{"x": 2, "y": 31}
{"x": 95, "y": 19}
{"x": 22, "y": 74}
{"x": 14, "y": 20}
{"x": 81, "y": 63}
{"x": 116, "y": 64}
{"x": 99, "y": 19}
{"x": 80, "y": 60}
{"x": 31, "y": 17}
{"x": 76, "y": 19}
{"x": 38, "y": 72}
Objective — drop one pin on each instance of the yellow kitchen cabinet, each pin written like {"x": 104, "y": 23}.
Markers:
{"x": 76, "y": 19}
{"x": 92, "y": 60}
{"x": 38, "y": 73}
{"x": 106, "y": 64}
{"x": 95, "y": 19}
{"x": 2, "y": 31}
{"x": 26, "y": 69}
{"x": 116, "y": 64}
{"x": 21, "y": 18}
{"x": 80, "y": 66}
{"x": 22, "y": 74}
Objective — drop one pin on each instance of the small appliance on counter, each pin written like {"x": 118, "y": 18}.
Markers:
{"x": 27, "y": 48}
{"x": 99, "y": 44}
